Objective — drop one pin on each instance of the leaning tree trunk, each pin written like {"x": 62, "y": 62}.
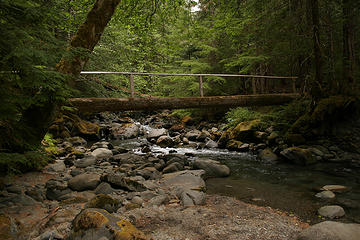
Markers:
{"x": 27, "y": 133}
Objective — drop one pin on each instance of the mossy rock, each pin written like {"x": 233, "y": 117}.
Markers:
{"x": 187, "y": 120}
{"x": 234, "y": 144}
{"x": 132, "y": 206}
{"x": 104, "y": 201}
{"x": 95, "y": 223}
{"x": 245, "y": 130}
{"x": 294, "y": 138}
{"x": 325, "y": 115}
{"x": 298, "y": 156}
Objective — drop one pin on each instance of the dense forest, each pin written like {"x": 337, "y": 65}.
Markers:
{"x": 45, "y": 44}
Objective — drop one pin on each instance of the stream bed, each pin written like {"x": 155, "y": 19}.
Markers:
{"x": 287, "y": 187}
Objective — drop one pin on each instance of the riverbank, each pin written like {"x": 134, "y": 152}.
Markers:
{"x": 150, "y": 171}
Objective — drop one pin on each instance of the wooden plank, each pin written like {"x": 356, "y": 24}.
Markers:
{"x": 201, "y": 86}
{"x": 132, "y": 91}
{"x": 124, "y": 104}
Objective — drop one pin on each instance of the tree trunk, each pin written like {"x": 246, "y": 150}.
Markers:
{"x": 122, "y": 104}
{"x": 27, "y": 133}
{"x": 316, "y": 85}
{"x": 348, "y": 47}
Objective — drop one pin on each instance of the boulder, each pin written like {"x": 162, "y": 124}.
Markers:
{"x": 193, "y": 135}
{"x": 104, "y": 188}
{"x": 135, "y": 184}
{"x": 191, "y": 197}
{"x": 125, "y": 130}
{"x": 77, "y": 141}
{"x": 211, "y": 143}
{"x": 149, "y": 173}
{"x": 332, "y": 211}
{"x": 212, "y": 168}
{"x": 155, "y": 133}
{"x": 165, "y": 141}
{"x": 245, "y": 130}
{"x": 102, "y": 153}
{"x": 58, "y": 166}
{"x": 105, "y": 202}
{"x": 96, "y": 223}
{"x": 173, "y": 167}
{"x": 234, "y": 145}
{"x": 56, "y": 188}
{"x": 298, "y": 156}
{"x": 329, "y": 230}
{"x": 267, "y": 155}
{"x": 85, "y": 181}
{"x": 87, "y": 161}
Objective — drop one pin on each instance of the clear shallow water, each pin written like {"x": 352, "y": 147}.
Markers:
{"x": 283, "y": 186}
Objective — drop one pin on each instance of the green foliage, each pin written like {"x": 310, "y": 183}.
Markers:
{"x": 240, "y": 114}
{"x": 15, "y": 163}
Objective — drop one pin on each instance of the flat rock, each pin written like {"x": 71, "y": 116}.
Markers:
{"x": 156, "y": 133}
{"x": 135, "y": 184}
{"x": 184, "y": 180}
{"x": 335, "y": 188}
{"x": 85, "y": 181}
{"x": 329, "y": 230}
{"x": 332, "y": 211}
{"x": 325, "y": 195}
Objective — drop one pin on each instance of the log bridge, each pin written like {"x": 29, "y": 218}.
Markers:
{"x": 155, "y": 103}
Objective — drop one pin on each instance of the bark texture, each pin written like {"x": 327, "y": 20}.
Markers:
{"x": 122, "y": 104}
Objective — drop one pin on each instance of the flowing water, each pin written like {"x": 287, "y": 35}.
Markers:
{"x": 282, "y": 186}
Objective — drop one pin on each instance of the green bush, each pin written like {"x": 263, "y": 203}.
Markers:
{"x": 241, "y": 114}
{"x": 15, "y": 163}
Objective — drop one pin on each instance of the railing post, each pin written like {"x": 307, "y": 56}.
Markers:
{"x": 132, "y": 85}
{"x": 294, "y": 85}
{"x": 253, "y": 85}
{"x": 201, "y": 86}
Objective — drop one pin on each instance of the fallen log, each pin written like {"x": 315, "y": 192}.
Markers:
{"x": 155, "y": 103}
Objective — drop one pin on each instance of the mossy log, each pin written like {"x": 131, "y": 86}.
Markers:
{"x": 123, "y": 104}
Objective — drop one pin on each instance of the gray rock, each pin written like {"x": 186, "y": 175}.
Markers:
{"x": 298, "y": 156}
{"x": 104, "y": 188}
{"x": 149, "y": 173}
{"x": 77, "y": 141}
{"x": 23, "y": 200}
{"x": 211, "y": 144}
{"x": 127, "y": 158}
{"x": 158, "y": 200}
{"x": 329, "y": 230}
{"x": 14, "y": 189}
{"x": 76, "y": 171}
{"x": 58, "y": 166}
{"x": 325, "y": 195}
{"x": 56, "y": 188}
{"x": 193, "y": 135}
{"x": 192, "y": 197}
{"x": 37, "y": 193}
{"x": 183, "y": 180}
{"x": 267, "y": 155}
{"x": 173, "y": 167}
{"x": 137, "y": 200}
{"x": 101, "y": 153}
{"x": 212, "y": 168}
{"x": 85, "y": 181}
{"x": 87, "y": 161}
{"x": 131, "y": 130}
{"x": 165, "y": 141}
{"x": 135, "y": 184}
{"x": 332, "y": 211}
{"x": 155, "y": 133}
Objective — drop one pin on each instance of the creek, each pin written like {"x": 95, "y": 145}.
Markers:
{"x": 283, "y": 186}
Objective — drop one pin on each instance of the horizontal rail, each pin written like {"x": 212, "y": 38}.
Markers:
{"x": 186, "y": 74}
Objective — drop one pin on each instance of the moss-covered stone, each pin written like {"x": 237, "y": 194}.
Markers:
{"x": 131, "y": 206}
{"x": 128, "y": 231}
{"x": 103, "y": 201}
{"x": 89, "y": 219}
{"x": 298, "y": 156}
{"x": 95, "y": 223}
{"x": 245, "y": 130}
{"x": 234, "y": 145}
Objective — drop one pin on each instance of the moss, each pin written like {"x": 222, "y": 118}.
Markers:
{"x": 89, "y": 219}
{"x": 245, "y": 130}
{"x": 103, "y": 201}
{"x": 128, "y": 231}
{"x": 234, "y": 144}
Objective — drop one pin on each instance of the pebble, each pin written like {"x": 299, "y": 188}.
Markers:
{"x": 325, "y": 195}
{"x": 332, "y": 211}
